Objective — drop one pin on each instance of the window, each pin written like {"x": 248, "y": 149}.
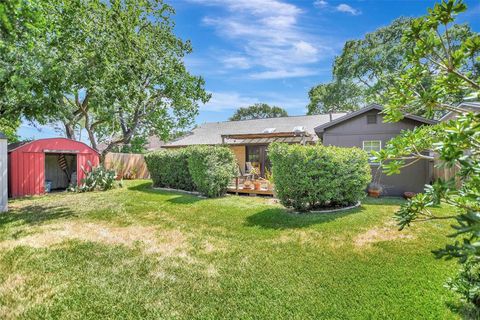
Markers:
{"x": 371, "y": 119}
{"x": 372, "y": 145}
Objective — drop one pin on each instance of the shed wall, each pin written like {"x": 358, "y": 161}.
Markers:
{"x": 27, "y": 163}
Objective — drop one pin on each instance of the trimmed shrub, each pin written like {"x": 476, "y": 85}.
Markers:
{"x": 212, "y": 169}
{"x": 169, "y": 168}
{"x": 314, "y": 177}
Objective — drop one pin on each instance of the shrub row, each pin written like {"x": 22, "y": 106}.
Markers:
{"x": 313, "y": 177}
{"x": 169, "y": 168}
{"x": 207, "y": 169}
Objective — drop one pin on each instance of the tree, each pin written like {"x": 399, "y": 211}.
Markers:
{"x": 116, "y": 69}
{"x": 335, "y": 97}
{"x": 453, "y": 67}
{"x": 258, "y": 111}
{"x": 367, "y": 67}
{"x": 22, "y": 28}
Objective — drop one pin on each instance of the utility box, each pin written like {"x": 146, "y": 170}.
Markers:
{"x": 3, "y": 173}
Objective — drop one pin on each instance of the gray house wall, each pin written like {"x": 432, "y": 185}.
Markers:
{"x": 352, "y": 132}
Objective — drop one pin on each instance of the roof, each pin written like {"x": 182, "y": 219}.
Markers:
{"x": 322, "y": 127}
{"x": 211, "y": 133}
{"x": 473, "y": 106}
{"x": 16, "y": 145}
{"x": 2, "y": 136}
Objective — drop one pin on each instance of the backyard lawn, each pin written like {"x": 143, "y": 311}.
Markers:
{"x": 136, "y": 252}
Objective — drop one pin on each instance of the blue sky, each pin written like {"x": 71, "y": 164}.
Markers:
{"x": 273, "y": 51}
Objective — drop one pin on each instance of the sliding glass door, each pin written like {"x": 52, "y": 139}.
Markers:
{"x": 257, "y": 156}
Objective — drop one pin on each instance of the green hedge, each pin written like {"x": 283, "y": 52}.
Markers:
{"x": 212, "y": 169}
{"x": 313, "y": 177}
{"x": 169, "y": 168}
{"x": 206, "y": 169}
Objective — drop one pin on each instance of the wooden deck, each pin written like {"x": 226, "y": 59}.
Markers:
{"x": 238, "y": 187}
{"x": 264, "y": 192}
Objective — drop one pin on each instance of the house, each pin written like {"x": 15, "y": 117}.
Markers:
{"x": 364, "y": 129}
{"x": 249, "y": 139}
{"x": 471, "y": 106}
{"x": 58, "y": 161}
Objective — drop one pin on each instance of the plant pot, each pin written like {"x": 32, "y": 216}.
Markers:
{"x": 374, "y": 193}
{"x": 257, "y": 185}
{"x": 409, "y": 195}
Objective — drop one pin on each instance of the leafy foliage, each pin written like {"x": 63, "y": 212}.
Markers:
{"x": 169, "y": 168}
{"x": 98, "y": 178}
{"x": 258, "y": 111}
{"x": 212, "y": 169}
{"x": 452, "y": 66}
{"x": 365, "y": 70}
{"x": 112, "y": 68}
{"x": 310, "y": 177}
{"x": 335, "y": 97}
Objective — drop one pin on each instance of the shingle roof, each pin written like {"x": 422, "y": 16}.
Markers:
{"x": 211, "y": 132}
{"x": 320, "y": 128}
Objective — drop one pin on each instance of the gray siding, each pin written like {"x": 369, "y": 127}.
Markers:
{"x": 3, "y": 175}
{"x": 352, "y": 133}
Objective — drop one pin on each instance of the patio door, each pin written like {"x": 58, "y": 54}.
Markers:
{"x": 258, "y": 157}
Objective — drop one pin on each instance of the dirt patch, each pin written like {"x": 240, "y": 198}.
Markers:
{"x": 164, "y": 242}
{"x": 18, "y": 296}
{"x": 388, "y": 232}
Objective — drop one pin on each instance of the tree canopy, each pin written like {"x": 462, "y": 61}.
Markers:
{"x": 114, "y": 69}
{"x": 366, "y": 68}
{"x": 258, "y": 111}
{"x": 452, "y": 64}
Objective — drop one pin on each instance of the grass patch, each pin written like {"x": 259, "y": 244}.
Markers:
{"x": 142, "y": 253}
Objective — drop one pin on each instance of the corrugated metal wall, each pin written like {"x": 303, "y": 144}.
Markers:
{"x": 27, "y": 163}
{"x": 3, "y": 175}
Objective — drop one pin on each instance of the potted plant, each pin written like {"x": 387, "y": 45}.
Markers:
{"x": 269, "y": 178}
{"x": 375, "y": 189}
{"x": 409, "y": 195}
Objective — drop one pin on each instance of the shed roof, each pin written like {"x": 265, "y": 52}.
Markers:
{"x": 211, "y": 133}
{"x": 322, "y": 127}
{"x": 18, "y": 145}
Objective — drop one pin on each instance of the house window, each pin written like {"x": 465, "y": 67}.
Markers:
{"x": 371, "y": 119}
{"x": 372, "y": 145}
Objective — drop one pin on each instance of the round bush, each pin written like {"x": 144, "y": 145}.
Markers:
{"x": 315, "y": 177}
{"x": 212, "y": 169}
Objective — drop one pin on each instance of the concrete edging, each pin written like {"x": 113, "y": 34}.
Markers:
{"x": 358, "y": 204}
{"x": 192, "y": 193}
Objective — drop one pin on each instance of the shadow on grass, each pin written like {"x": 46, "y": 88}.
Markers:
{"x": 181, "y": 198}
{"x": 35, "y": 214}
{"x": 464, "y": 310}
{"x": 281, "y": 219}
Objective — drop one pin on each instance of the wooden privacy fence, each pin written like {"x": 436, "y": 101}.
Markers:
{"x": 440, "y": 171}
{"x": 127, "y": 165}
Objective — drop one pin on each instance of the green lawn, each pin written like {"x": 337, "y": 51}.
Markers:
{"x": 142, "y": 253}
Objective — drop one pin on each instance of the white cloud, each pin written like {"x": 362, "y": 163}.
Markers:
{"x": 229, "y": 101}
{"x": 221, "y": 101}
{"x": 347, "y": 9}
{"x": 283, "y": 73}
{"x": 268, "y": 36}
{"x": 320, "y": 4}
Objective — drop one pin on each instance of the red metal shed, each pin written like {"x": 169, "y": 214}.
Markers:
{"x": 57, "y": 160}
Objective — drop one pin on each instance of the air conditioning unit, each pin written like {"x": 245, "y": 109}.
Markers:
{"x": 299, "y": 129}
